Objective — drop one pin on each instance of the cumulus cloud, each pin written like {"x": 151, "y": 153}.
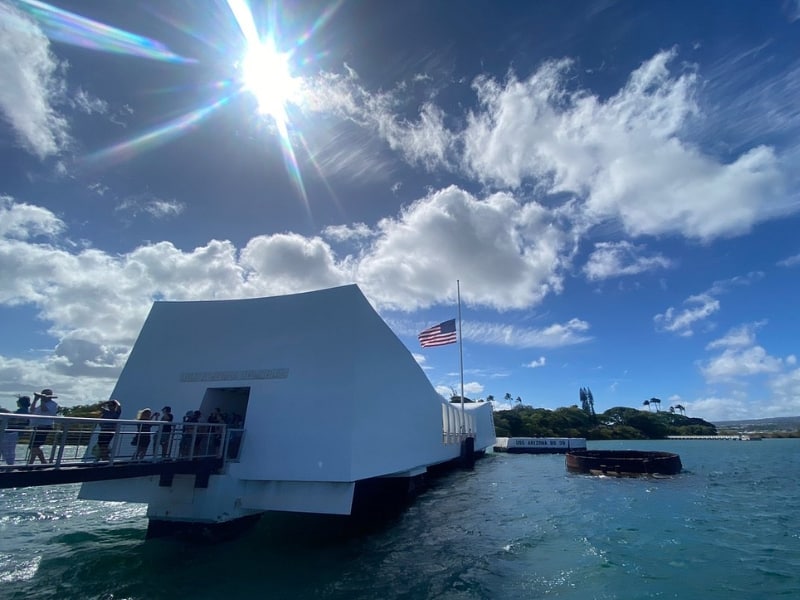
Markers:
{"x": 286, "y": 263}
{"x": 31, "y": 86}
{"x": 741, "y": 357}
{"x": 627, "y": 156}
{"x": 93, "y": 303}
{"x": 25, "y": 221}
{"x": 630, "y": 158}
{"x": 615, "y": 259}
{"x": 716, "y": 408}
{"x": 506, "y": 254}
{"x": 785, "y": 389}
{"x": 740, "y": 362}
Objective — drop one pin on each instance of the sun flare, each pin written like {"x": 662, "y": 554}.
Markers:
{"x": 266, "y": 75}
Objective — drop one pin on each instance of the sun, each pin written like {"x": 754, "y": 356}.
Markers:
{"x": 265, "y": 74}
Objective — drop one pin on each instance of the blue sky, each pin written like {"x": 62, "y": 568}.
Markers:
{"x": 614, "y": 184}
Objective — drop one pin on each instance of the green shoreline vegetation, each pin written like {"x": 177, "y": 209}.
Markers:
{"x": 618, "y": 423}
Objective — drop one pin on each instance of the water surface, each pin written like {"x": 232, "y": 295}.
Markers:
{"x": 517, "y": 526}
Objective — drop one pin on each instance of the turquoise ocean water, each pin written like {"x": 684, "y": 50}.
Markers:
{"x": 517, "y": 526}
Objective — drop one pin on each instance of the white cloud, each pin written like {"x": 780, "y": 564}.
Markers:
{"x": 93, "y": 303}
{"x": 701, "y": 306}
{"x": 157, "y": 208}
{"x": 614, "y": 259}
{"x": 738, "y": 337}
{"x": 741, "y": 357}
{"x": 471, "y": 389}
{"x": 698, "y": 308}
{"x": 421, "y": 359}
{"x": 535, "y": 364}
{"x": 785, "y": 390}
{"x": 553, "y": 336}
{"x": 716, "y": 408}
{"x": 792, "y": 10}
{"x": 424, "y": 141}
{"x": 790, "y": 261}
{"x": 506, "y": 254}
{"x": 723, "y": 286}
{"x": 626, "y": 156}
{"x": 341, "y": 233}
{"x": 25, "y": 221}
{"x": 286, "y": 263}
{"x": 740, "y": 362}
{"x": 630, "y": 158}
{"x": 98, "y": 188}
{"x": 31, "y": 84}
{"x": 85, "y": 102}
{"x": 25, "y": 376}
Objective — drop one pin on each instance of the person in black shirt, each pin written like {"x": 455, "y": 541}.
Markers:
{"x": 166, "y": 431}
{"x": 110, "y": 410}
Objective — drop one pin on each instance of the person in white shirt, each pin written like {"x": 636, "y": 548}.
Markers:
{"x": 42, "y": 427}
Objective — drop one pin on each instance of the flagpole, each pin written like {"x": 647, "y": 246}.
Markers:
{"x": 460, "y": 353}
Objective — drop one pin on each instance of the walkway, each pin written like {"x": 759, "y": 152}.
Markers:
{"x": 74, "y": 456}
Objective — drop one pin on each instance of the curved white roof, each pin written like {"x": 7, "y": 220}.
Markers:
{"x": 329, "y": 391}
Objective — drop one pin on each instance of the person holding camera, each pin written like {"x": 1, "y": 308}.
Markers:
{"x": 47, "y": 406}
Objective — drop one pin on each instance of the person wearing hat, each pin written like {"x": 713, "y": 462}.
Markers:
{"x": 8, "y": 446}
{"x": 108, "y": 410}
{"x": 47, "y": 407}
{"x": 166, "y": 431}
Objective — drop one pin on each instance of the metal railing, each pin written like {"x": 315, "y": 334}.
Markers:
{"x": 81, "y": 441}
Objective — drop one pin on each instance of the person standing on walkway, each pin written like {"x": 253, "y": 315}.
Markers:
{"x": 166, "y": 431}
{"x": 142, "y": 439}
{"x": 110, "y": 410}
{"x": 42, "y": 427}
{"x": 8, "y": 447}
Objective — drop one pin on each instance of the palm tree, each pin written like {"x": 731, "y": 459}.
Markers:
{"x": 507, "y": 397}
{"x": 647, "y": 404}
{"x": 680, "y": 408}
{"x": 519, "y": 400}
{"x": 490, "y": 398}
{"x": 656, "y": 402}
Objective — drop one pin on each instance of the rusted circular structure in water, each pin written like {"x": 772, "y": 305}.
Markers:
{"x": 623, "y": 463}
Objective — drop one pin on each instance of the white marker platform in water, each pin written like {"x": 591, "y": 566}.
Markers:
{"x": 543, "y": 445}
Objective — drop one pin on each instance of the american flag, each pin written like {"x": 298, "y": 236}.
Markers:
{"x": 438, "y": 335}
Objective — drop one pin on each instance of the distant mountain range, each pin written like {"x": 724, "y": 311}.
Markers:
{"x": 771, "y": 424}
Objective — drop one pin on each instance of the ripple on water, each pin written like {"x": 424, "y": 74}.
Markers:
{"x": 514, "y": 527}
